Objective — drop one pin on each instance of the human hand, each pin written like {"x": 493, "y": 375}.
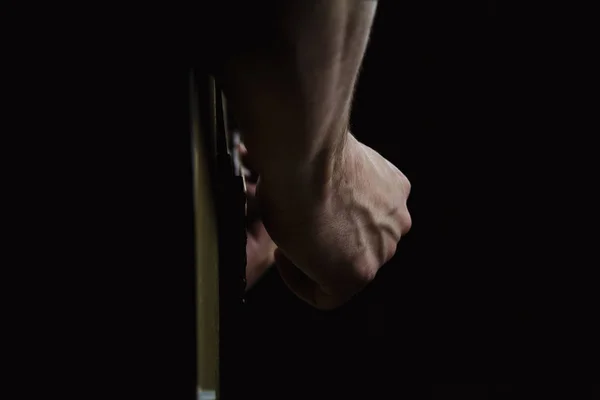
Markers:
{"x": 259, "y": 246}
{"x": 334, "y": 237}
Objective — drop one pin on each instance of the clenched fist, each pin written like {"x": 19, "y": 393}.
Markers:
{"x": 335, "y": 225}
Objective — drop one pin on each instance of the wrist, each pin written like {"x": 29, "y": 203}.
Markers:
{"x": 310, "y": 174}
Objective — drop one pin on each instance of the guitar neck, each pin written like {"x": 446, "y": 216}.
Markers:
{"x": 221, "y": 243}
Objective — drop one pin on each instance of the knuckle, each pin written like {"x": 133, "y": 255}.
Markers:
{"x": 406, "y": 222}
{"x": 406, "y": 185}
{"x": 363, "y": 276}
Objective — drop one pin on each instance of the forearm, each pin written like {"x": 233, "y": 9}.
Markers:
{"x": 291, "y": 85}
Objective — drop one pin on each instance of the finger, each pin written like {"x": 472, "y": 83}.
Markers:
{"x": 259, "y": 255}
{"x": 304, "y": 287}
{"x": 251, "y": 189}
{"x": 260, "y": 247}
{"x": 247, "y": 168}
{"x": 244, "y": 155}
{"x": 252, "y": 210}
{"x": 249, "y": 175}
{"x": 243, "y": 149}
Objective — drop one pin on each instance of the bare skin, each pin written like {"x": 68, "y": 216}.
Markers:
{"x": 260, "y": 247}
{"x": 334, "y": 207}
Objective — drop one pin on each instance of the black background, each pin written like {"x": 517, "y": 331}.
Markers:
{"x": 454, "y": 99}
{"x": 482, "y": 289}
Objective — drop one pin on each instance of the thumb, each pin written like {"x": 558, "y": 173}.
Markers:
{"x": 303, "y": 286}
